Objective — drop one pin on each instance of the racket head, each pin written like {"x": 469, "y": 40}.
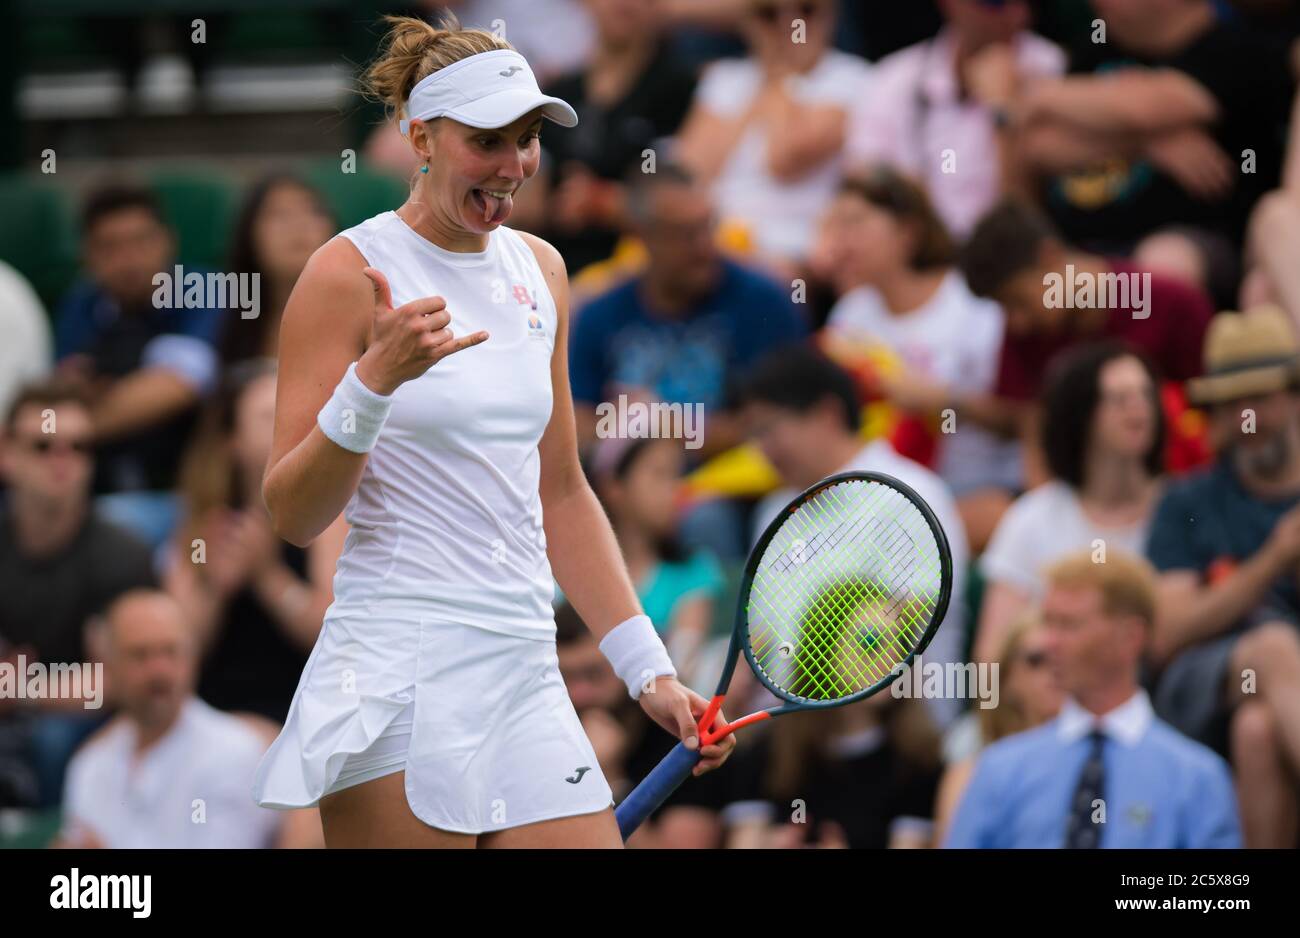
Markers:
{"x": 851, "y": 580}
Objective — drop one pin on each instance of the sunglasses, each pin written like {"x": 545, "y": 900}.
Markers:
{"x": 770, "y": 13}
{"x": 46, "y": 444}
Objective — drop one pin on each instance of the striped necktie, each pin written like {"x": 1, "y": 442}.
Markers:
{"x": 1083, "y": 833}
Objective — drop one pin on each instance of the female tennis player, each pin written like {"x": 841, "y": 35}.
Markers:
{"x": 424, "y": 391}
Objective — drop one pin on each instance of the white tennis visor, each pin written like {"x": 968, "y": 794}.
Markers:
{"x": 487, "y": 90}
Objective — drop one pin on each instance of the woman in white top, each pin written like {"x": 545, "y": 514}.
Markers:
{"x": 892, "y": 260}
{"x": 767, "y": 130}
{"x": 424, "y": 392}
{"x": 1103, "y": 438}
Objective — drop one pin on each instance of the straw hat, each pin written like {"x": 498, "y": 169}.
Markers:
{"x": 1248, "y": 353}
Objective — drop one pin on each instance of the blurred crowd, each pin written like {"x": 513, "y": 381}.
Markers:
{"x": 837, "y": 228}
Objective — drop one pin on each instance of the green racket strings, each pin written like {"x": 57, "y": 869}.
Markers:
{"x": 844, "y": 592}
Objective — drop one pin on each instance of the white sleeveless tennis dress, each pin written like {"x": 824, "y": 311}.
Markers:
{"x": 438, "y": 654}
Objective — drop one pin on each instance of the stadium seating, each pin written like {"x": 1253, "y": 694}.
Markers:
{"x": 200, "y": 206}
{"x": 38, "y": 234}
{"x": 354, "y": 197}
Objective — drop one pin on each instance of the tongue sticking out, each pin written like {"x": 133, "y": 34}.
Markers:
{"x": 495, "y": 210}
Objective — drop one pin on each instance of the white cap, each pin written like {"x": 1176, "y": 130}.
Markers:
{"x": 488, "y": 90}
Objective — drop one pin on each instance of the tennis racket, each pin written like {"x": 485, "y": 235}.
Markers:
{"x": 850, "y": 581}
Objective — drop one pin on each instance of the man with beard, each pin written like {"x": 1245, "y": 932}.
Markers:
{"x": 1227, "y": 543}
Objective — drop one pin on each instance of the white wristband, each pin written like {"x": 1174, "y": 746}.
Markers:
{"x": 354, "y": 414}
{"x": 636, "y": 654}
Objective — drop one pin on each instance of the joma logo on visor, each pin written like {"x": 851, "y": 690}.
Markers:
{"x": 511, "y": 70}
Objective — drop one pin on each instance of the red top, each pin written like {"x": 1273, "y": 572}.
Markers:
{"x": 1170, "y": 337}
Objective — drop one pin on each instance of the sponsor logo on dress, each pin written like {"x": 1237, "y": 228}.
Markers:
{"x": 522, "y": 296}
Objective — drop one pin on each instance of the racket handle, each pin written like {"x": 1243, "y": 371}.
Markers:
{"x": 655, "y": 788}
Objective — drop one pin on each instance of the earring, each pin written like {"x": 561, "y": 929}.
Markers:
{"x": 424, "y": 168}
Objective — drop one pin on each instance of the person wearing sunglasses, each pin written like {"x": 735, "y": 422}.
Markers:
{"x": 60, "y": 564}
{"x": 766, "y": 130}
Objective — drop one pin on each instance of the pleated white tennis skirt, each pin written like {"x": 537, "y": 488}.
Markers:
{"x": 480, "y": 721}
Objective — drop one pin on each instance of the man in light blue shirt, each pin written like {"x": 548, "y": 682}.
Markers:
{"x": 1105, "y": 772}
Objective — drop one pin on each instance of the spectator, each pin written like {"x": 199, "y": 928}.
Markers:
{"x": 27, "y": 350}
{"x": 283, "y": 221}
{"x": 1103, "y": 439}
{"x": 1176, "y": 117}
{"x": 684, "y": 330}
{"x": 1226, "y": 542}
{"x": 1028, "y": 696}
{"x": 802, "y": 411}
{"x": 60, "y": 563}
{"x": 893, "y": 262}
{"x": 1016, "y": 258}
{"x": 637, "y": 481}
{"x": 767, "y": 131}
{"x": 254, "y": 602}
{"x": 938, "y": 109}
{"x": 148, "y": 363}
{"x": 630, "y": 95}
{"x": 1105, "y": 772}
{"x": 865, "y": 776}
{"x": 168, "y": 771}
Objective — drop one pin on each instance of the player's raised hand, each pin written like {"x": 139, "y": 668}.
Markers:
{"x": 407, "y": 341}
